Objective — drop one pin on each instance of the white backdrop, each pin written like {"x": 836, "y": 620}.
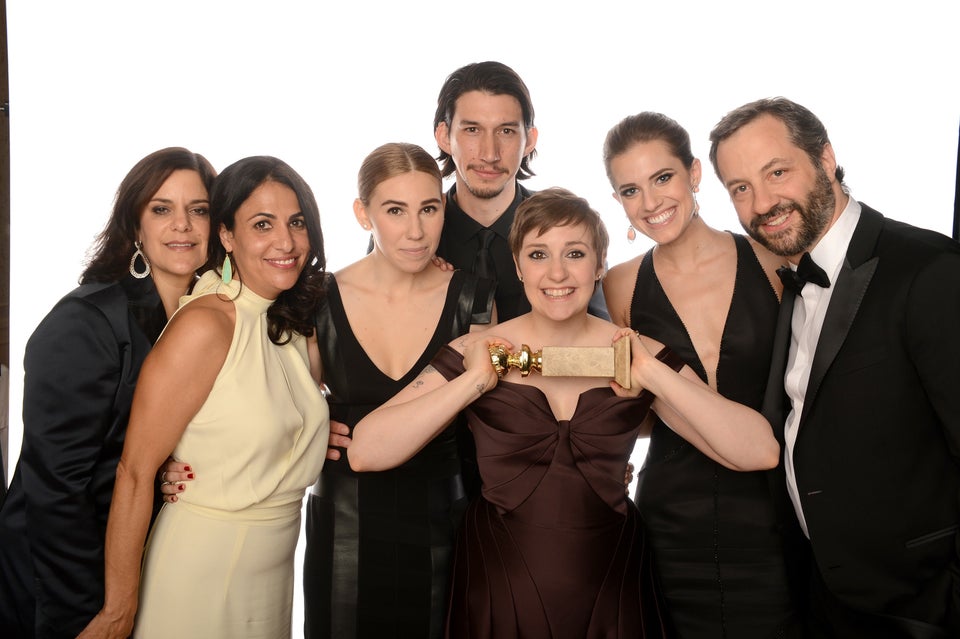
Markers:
{"x": 94, "y": 86}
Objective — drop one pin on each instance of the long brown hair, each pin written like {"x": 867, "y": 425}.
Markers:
{"x": 110, "y": 255}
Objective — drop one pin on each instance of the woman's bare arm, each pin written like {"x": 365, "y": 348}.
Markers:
{"x": 196, "y": 340}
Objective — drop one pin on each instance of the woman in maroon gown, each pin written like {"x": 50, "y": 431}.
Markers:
{"x": 554, "y": 548}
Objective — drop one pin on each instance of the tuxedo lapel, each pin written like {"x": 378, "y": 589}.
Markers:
{"x": 857, "y": 270}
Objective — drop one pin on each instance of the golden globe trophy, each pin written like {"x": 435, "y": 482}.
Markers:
{"x": 567, "y": 361}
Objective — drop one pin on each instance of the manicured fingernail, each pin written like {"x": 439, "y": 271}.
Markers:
{"x": 187, "y": 468}
{"x": 179, "y": 487}
{"x": 189, "y": 475}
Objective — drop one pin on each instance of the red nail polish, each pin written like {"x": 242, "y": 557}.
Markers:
{"x": 187, "y": 468}
{"x": 179, "y": 487}
{"x": 189, "y": 475}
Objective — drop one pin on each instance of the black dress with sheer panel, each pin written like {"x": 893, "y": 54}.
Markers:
{"x": 714, "y": 532}
{"x": 379, "y": 545}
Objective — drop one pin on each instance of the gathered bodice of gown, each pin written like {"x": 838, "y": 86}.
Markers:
{"x": 554, "y": 548}
{"x": 713, "y": 530}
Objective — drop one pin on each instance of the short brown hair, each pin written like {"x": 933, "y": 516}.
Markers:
{"x": 555, "y": 207}
{"x": 806, "y": 130}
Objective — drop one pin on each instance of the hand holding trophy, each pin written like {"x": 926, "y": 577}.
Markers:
{"x": 561, "y": 361}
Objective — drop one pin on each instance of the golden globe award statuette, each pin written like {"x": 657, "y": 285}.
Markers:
{"x": 567, "y": 361}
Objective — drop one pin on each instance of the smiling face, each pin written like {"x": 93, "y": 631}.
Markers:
{"x": 559, "y": 270}
{"x": 783, "y": 200}
{"x": 655, "y": 189}
{"x": 487, "y": 140}
{"x": 405, "y": 213}
{"x": 175, "y": 227}
{"x": 269, "y": 242}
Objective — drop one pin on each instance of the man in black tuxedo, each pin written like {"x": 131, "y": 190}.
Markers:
{"x": 864, "y": 389}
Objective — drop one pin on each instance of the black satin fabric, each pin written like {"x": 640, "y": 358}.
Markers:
{"x": 714, "y": 531}
{"x": 377, "y": 560}
{"x": 80, "y": 370}
{"x": 554, "y": 548}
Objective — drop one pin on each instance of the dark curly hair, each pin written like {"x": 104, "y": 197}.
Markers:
{"x": 110, "y": 255}
{"x": 294, "y": 309}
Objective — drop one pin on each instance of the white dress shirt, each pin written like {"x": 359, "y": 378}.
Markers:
{"x": 807, "y": 321}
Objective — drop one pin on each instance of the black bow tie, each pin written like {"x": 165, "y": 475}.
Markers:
{"x": 807, "y": 271}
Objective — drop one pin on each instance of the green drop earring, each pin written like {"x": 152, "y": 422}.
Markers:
{"x": 226, "y": 273}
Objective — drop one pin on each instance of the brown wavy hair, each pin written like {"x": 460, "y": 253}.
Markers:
{"x": 110, "y": 256}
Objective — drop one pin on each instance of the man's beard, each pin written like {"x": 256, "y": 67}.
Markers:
{"x": 484, "y": 193}
{"x": 815, "y": 214}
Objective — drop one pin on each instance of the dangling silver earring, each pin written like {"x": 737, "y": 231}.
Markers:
{"x": 631, "y": 234}
{"x": 133, "y": 262}
{"x": 226, "y": 272}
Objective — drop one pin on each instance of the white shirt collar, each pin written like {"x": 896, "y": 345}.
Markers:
{"x": 831, "y": 250}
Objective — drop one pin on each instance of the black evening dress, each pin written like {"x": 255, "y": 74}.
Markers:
{"x": 377, "y": 559}
{"x": 553, "y": 548}
{"x": 714, "y": 531}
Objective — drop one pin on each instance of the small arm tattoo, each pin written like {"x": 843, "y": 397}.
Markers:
{"x": 480, "y": 388}
{"x": 418, "y": 382}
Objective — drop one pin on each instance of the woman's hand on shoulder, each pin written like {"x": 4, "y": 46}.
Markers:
{"x": 442, "y": 264}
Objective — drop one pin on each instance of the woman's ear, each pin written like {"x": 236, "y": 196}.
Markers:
{"x": 360, "y": 212}
{"x": 226, "y": 238}
{"x": 695, "y": 175}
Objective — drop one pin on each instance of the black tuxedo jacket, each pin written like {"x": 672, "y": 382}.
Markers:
{"x": 80, "y": 370}
{"x": 877, "y": 456}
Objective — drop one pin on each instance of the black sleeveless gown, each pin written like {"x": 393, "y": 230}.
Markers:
{"x": 714, "y": 531}
{"x": 377, "y": 559}
{"x": 553, "y": 548}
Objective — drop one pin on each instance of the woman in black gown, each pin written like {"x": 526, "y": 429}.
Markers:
{"x": 554, "y": 548}
{"x": 712, "y": 297}
{"x": 379, "y": 545}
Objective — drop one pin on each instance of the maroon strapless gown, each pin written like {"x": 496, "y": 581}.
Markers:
{"x": 553, "y": 548}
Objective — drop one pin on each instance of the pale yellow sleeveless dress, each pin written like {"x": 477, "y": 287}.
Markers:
{"x": 219, "y": 563}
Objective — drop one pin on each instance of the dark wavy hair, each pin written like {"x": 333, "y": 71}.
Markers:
{"x": 294, "y": 309}
{"x": 490, "y": 77}
{"x": 110, "y": 256}
{"x": 806, "y": 130}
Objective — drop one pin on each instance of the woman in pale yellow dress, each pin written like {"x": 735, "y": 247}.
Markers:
{"x": 230, "y": 387}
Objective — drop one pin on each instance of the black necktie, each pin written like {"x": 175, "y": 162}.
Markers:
{"x": 807, "y": 271}
{"x": 483, "y": 263}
